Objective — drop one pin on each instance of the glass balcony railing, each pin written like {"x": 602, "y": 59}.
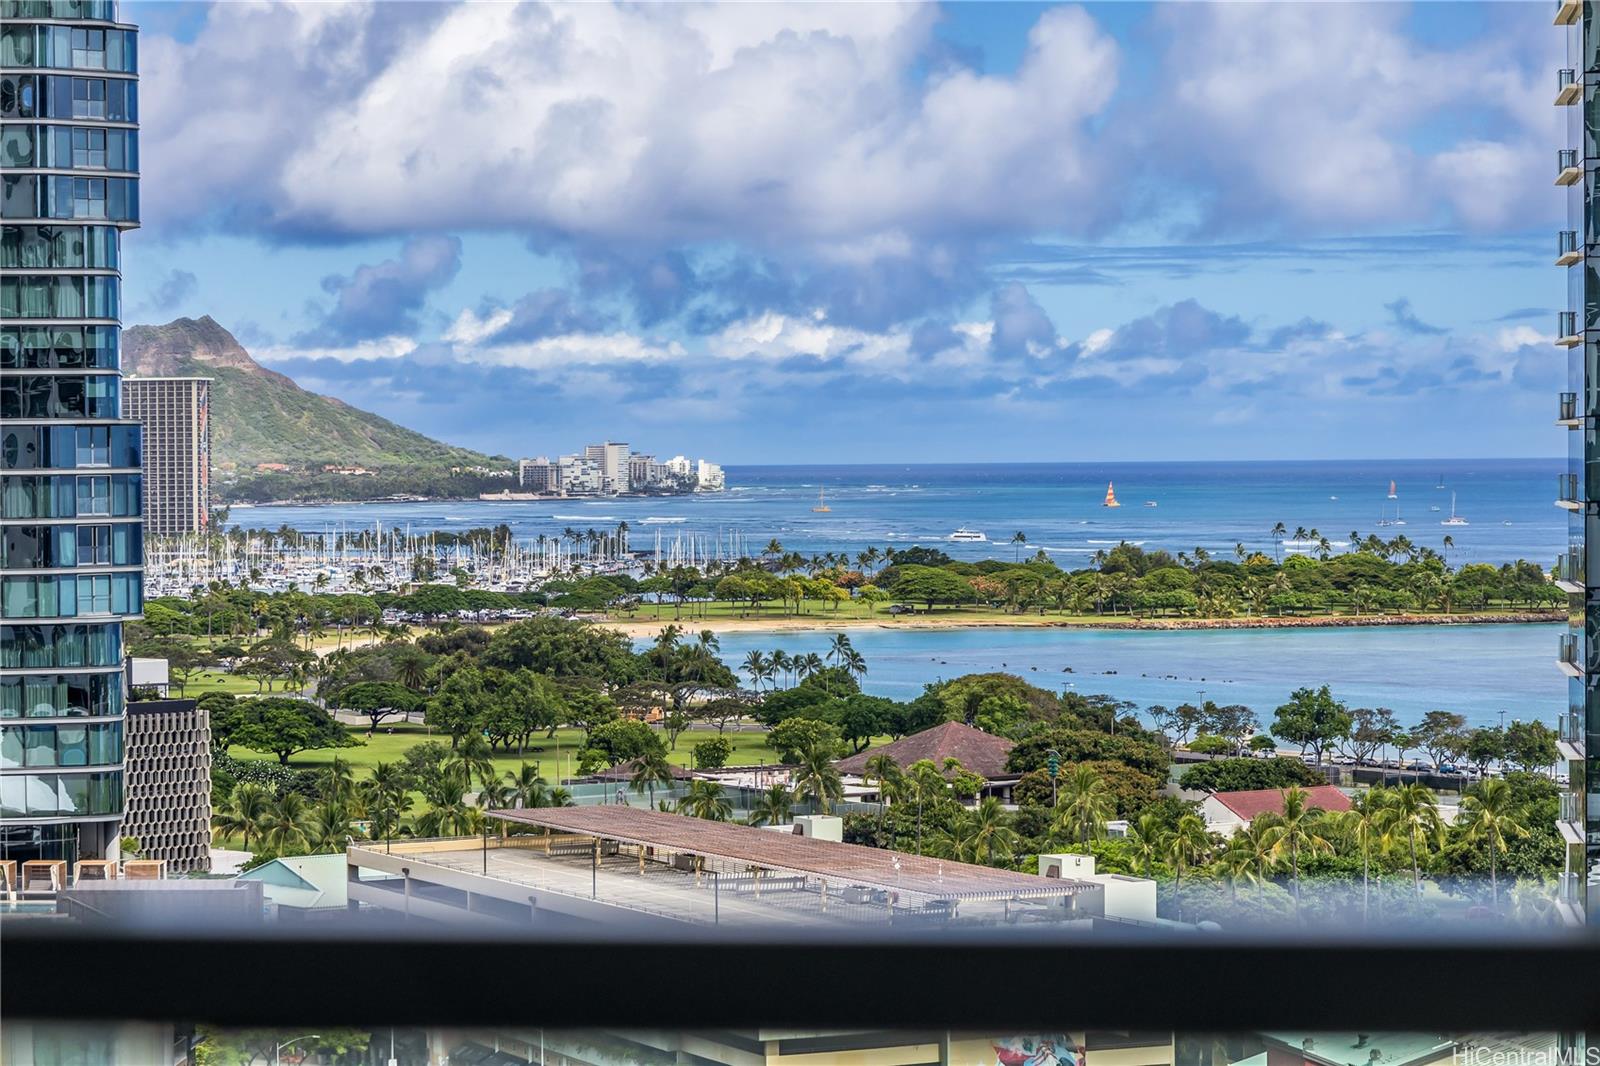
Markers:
{"x": 1568, "y": 410}
{"x": 1569, "y": 168}
{"x": 1567, "y": 650}
{"x": 1571, "y": 808}
{"x": 1566, "y": 326}
{"x": 1569, "y": 727}
{"x": 1568, "y": 88}
{"x": 1567, "y": 888}
{"x": 1567, "y": 488}
{"x": 1568, "y": 250}
{"x": 1569, "y": 568}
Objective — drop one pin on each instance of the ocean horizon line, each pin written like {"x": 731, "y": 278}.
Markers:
{"x": 1144, "y": 462}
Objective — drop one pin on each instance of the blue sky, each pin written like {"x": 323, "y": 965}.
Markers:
{"x": 867, "y": 232}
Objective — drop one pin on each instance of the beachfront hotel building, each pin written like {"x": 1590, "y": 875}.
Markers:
{"x": 71, "y": 537}
{"x": 175, "y": 414}
{"x": 1578, "y": 330}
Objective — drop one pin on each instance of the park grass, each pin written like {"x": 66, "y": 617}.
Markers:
{"x": 390, "y": 742}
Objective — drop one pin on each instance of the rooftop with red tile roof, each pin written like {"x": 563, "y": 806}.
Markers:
{"x": 1247, "y": 805}
{"x": 982, "y": 753}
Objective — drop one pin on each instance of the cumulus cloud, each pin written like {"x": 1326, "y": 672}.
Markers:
{"x": 1405, "y": 318}
{"x": 383, "y": 299}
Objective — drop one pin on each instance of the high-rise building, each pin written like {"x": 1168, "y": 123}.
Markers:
{"x": 175, "y": 414}
{"x": 1578, "y": 330}
{"x": 613, "y": 459}
{"x": 539, "y": 475}
{"x": 169, "y": 783}
{"x": 71, "y": 546}
{"x": 709, "y": 477}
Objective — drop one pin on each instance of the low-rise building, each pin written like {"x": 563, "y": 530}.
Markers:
{"x": 1226, "y": 812}
{"x": 981, "y": 753}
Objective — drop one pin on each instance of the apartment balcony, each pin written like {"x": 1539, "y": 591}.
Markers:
{"x": 1569, "y": 90}
{"x": 1569, "y": 572}
{"x": 1569, "y": 168}
{"x": 1567, "y": 11}
{"x": 1567, "y": 333}
{"x": 1570, "y": 741}
{"x": 1568, "y": 250}
{"x": 1567, "y": 656}
{"x": 1569, "y": 889}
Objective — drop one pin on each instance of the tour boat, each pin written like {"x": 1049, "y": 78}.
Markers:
{"x": 1111, "y": 496}
{"x": 822, "y": 504}
{"x": 970, "y": 536}
{"x": 1454, "y": 519}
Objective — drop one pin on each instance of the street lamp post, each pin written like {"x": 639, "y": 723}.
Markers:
{"x": 277, "y": 1051}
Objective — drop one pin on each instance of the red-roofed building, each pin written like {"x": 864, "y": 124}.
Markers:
{"x": 982, "y": 753}
{"x": 1225, "y": 812}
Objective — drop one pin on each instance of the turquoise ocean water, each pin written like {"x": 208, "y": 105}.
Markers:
{"x": 1476, "y": 670}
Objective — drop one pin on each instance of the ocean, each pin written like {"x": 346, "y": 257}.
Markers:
{"x": 1474, "y": 670}
{"x": 1508, "y": 504}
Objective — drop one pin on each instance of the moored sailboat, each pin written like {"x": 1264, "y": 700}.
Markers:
{"x": 1111, "y": 496}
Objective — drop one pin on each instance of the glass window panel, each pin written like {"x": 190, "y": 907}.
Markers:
{"x": 13, "y": 797}
{"x": 41, "y": 799}
{"x": 11, "y": 747}
{"x": 73, "y": 790}
{"x": 72, "y": 745}
{"x": 41, "y": 746}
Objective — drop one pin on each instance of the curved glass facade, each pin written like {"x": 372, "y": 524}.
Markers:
{"x": 71, "y": 538}
{"x": 61, "y": 695}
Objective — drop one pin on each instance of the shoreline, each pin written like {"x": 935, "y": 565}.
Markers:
{"x": 636, "y": 628}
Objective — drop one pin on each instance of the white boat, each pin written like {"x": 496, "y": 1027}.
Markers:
{"x": 1454, "y": 519}
{"x": 969, "y": 536}
{"x": 1151, "y": 503}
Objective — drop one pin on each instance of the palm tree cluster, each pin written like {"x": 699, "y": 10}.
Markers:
{"x": 781, "y": 667}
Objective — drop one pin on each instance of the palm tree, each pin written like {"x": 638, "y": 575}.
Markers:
{"x": 1018, "y": 539}
{"x": 756, "y": 667}
{"x": 886, "y": 772}
{"x": 773, "y": 807}
{"x": 839, "y": 648}
{"x": 337, "y": 783}
{"x": 327, "y": 828}
{"x": 1144, "y": 840}
{"x": 817, "y": 779}
{"x": 527, "y": 787}
{"x": 1490, "y": 812}
{"x": 1364, "y": 823}
{"x": 926, "y": 784}
{"x": 855, "y": 663}
{"x": 649, "y": 770}
{"x": 246, "y": 811}
{"x": 1413, "y": 813}
{"x": 1258, "y": 840}
{"x": 1301, "y": 829}
{"x": 285, "y": 821}
{"x": 1187, "y": 843}
{"x": 1084, "y": 806}
{"x": 992, "y": 835}
{"x": 706, "y": 799}
{"x": 1279, "y": 531}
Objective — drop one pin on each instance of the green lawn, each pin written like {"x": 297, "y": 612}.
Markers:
{"x": 748, "y": 748}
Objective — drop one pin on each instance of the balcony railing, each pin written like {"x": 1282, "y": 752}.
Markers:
{"x": 1568, "y": 888}
{"x": 1568, "y": 408}
{"x": 1567, "y": 650}
{"x": 1568, "y": 87}
{"x": 1567, "y": 488}
{"x": 1569, "y": 168}
{"x": 1569, "y": 727}
{"x": 1569, "y": 568}
{"x": 1568, "y": 250}
{"x": 1571, "y": 808}
{"x": 1567, "y": 334}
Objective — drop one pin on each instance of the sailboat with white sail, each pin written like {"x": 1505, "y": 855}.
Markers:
{"x": 1454, "y": 519}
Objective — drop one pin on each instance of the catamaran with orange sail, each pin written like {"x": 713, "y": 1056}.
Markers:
{"x": 1111, "y": 496}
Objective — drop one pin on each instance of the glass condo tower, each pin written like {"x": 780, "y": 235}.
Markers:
{"x": 1578, "y": 330}
{"x": 71, "y": 535}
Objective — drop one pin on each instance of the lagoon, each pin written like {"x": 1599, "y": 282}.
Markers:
{"x": 1475, "y": 670}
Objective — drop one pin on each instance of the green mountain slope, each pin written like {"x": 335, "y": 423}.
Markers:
{"x": 260, "y": 416}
